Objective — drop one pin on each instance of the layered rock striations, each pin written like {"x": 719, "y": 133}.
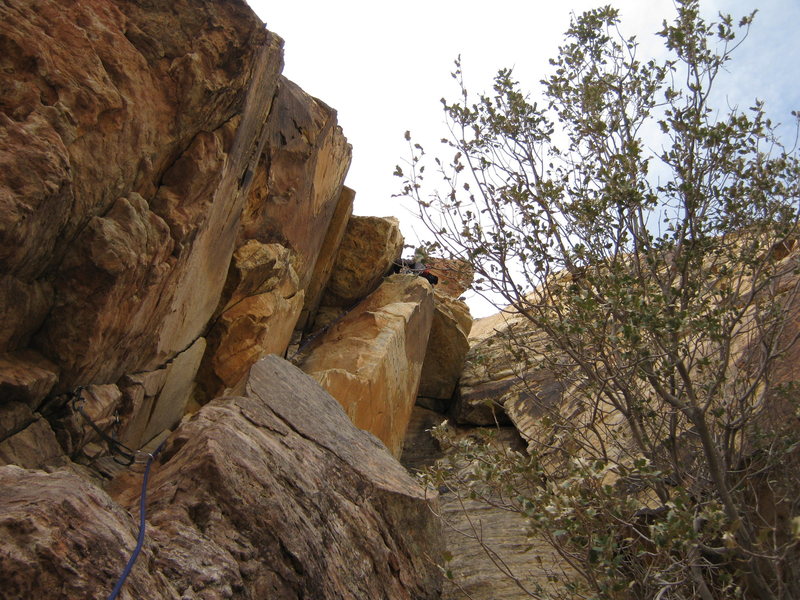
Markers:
{"x": 371, "y": 359}
{"x": 273, "y": 494}
{"x": 171, "y": 211}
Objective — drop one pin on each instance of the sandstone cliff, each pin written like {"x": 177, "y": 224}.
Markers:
{"x": 173, "y": 211}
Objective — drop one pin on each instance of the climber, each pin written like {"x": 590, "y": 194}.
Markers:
{"x": 414, "y": 265}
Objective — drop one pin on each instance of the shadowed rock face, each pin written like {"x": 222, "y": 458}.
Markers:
{"x": 125, "y": 142}
{"x": 447, "y": 348}
{"x": 371, "y": 359}
{"x": 274, "y": 494}
{"x": 470, "y": 528}
{"x": 368, "y": 249}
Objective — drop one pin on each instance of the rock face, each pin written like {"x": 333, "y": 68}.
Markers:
{"x": 492, "y": 376}
{"x": 130, "y": 111}
{"x": 298, "y": 183}
{"x": 162, "y": 188}
{"x": 471, "y": 527}
{"x": 327, "y": 256}
{"x": 369, "y": 247}
{"x": 447, "y": 347}
{"x": 63, "y": 537}
{"x": 371, "y": 360}
{"x": 263, "y": 304}
{"x": 270, "y": 495}
{"x": 171, "y": 209}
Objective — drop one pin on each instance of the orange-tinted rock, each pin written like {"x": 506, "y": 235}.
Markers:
{"x": 371, "y": 359}
{"x": 259, "y": 317}
{"x": 127, "y": 131}
{"x": 327, "y": 256}
{"x": 455, "y": 276}
{"x": 298, "y": 182}
{"x": 369, "y": 248}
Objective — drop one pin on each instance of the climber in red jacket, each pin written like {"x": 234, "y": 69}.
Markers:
{"x": 411, "y": 265}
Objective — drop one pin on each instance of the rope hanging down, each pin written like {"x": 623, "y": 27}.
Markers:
{"x": 129, "y": 456}
{"x": 142, "y": 507}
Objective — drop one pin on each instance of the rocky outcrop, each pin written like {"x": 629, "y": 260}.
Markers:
{"x": 368, "y": 249}
{"x": 484, "y": 543}
{"x": 133, "y": 109}
{"x": 170, "y": 212}
{"x": 27, "y": 377}
{"x": 63, "y": 537}
{"x": 298, "y": 182}
{"x": 371, "y": 359}
{"x": 447, "y": 348}
{"x": 163, "y": 188}
{"x": 269, "y": 495}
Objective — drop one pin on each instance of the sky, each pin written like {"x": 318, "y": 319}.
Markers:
{"x": 384, "y": 67}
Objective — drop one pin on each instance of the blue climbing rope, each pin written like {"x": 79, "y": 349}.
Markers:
{"x": 140, "y": 540}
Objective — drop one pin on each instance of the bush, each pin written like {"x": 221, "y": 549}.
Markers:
{"x": 664, "y": 276}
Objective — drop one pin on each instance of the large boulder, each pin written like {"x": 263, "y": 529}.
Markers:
{"x": 369, "y": 248}
{"x": 263, "y": 304}
{"x": 371, "y": 359}
{"x": 274, "y": 494}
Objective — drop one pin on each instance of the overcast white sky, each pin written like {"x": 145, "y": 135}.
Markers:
{"x": 384, "y": 66}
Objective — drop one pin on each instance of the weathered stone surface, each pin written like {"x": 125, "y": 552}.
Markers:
{"x": 455, "y": 276}
{"x": 472, "y": 529}
{"x": 327, "y": 256}
{"x": 447, "y": 347}
{"x": 139, "y": 392}
{"x": 26, "y": 376}
{"x": 110, "y": 285}
{"x": 170, "y": 404}
{"x": 263, "y": 306}
{"x": 298, "y": 182}
{"x": 110, "y": 113}
{"x": 369, "y": 248}
{"x": 63, "y": 537}
{"x": 103, "y": 404}
{"x": 271, "y": 495}
{"x": 23, "y": 307}
{"x": 371, "y": 360}
{"x": 284, "y": 498}
{"x": 491, "y": 374}
{"x": 420, "y": 449}
{"x": 26, "y": 439}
